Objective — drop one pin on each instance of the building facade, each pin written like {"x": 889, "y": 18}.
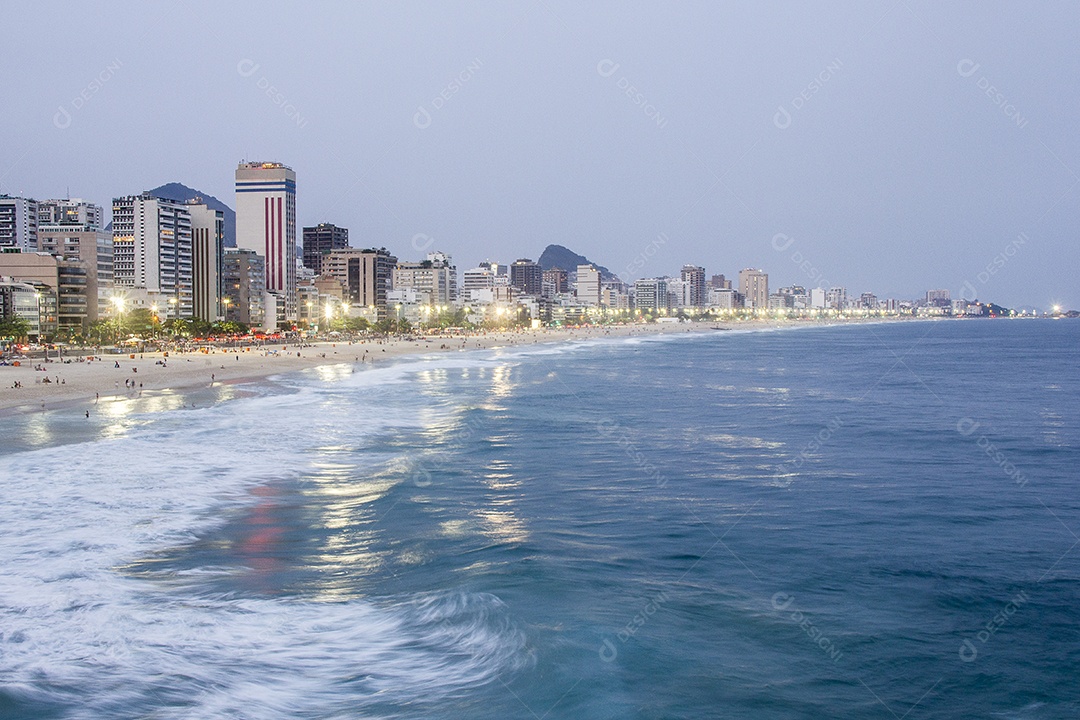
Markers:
{"x": 207, "y": 260}
{"x": 434, "y": 279}
{"x": 71, "y": 213}
{"x": 319, "y": 241}
{"x": 18, "y": 223}
{"x": 152, "y": 250}
{"x": 93, "y": 250}
{"x": 266, "y": 224}
{"x": 527, "y": 276}
{"x": 696, "y": 293}
{"x": 366, "y": 275}
{"x": 651, "y": 294}
{"x": 754, "y": 287}
{"x": 244, "y": 287}
{"x": 588, "y": 285}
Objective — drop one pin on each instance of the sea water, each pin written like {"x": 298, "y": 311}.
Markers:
{"x": 864, "y": 521}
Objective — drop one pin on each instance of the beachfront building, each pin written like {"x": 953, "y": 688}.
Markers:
{"x": 21, "y": 300}
{"x": 207, "y": 259}
{"x": 70, "y": 213}
{"x": 651, "y": 294}
{"x": 93, "y": 250}
{"x": 474, "y": 281}
{"x": 725, "y": 298}
{"x": 152, "y": 250}
{"x": 266, "y": 224}
{"x": 527, "y": 276}
{"x": 836, "y": 298}
{"x": 587, "y": 286}
{"x": 754, "y": 287}
{"x": 319, "y": 241}
{"x": 719, "y": 282}
{"x": 556, "y": 282}
{"x": 18, "y": 223}
{"x": 434, "y": 279}
{"x": 365, "y": 274}
{"x": 694, "y": 277}
{"x": 244, "y": 287}
{"x": 61, "y": 284}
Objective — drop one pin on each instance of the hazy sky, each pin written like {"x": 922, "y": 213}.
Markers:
{"x": 886, "y": 146}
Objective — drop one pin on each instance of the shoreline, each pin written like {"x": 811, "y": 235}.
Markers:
{"x": 77, "y": 382}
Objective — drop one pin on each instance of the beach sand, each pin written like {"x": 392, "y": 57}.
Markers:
{"x": 81, "y": 381}
{"x": 75, "y": 382}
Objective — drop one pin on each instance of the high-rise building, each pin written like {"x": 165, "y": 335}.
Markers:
{"x": 754, "y": 287}
{"x": 93, "y": 250}
{"x": 476, "y": 281}
{"x": 836, "y": 298}
{"x": 320, "y": 240}
{"x": 207, "y": 259}
{"x": 588, "y": 285}
{"x": 367, "y": 275}
{"x": 527, "y": 276}
{"x": 70, "y": 213}
{"x": 244, "y": 287}
{"x": 938, "y": 298}
{"x": 152, "y": 249}
{"x": 651, "y": 294}
{"x": 678, "y": 293}
{"x": 266, "y": 223}
{"x": 719, "y": 282}
{"x": 434, "y": 279}
{"x": 694, "y": 277}
{"x": 18, "y": 223}
{"x": 559, "y": 280}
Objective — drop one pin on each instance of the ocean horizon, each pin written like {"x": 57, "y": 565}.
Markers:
{"x": 870, "y": 521}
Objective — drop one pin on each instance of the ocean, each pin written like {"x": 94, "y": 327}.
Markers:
{"x": 864, "y": 521}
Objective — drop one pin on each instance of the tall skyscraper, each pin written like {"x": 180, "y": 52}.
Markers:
{"x": 754, "y": 287}
{"x": 18, "y": 223}
{"x": 152, "y": 249}
{"x": 207, "y": 258}
{"x": 694, "y": 277}
{"x": 320, "y": 240}
{"x": 266, "y": 223}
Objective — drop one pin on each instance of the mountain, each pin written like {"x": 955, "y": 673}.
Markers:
{"x": 557, "y": 256}
{"x": 176, "y": 191}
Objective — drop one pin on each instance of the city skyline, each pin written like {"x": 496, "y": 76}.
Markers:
{"x": 783, "y": 139}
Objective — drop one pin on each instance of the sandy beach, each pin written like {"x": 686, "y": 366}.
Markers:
{"x": 115, "y": 375}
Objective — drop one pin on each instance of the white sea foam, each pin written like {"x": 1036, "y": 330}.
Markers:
{"x": 78, "y": 631}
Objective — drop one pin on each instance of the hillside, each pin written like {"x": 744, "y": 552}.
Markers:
{"x": 561, "y": 257}
{"x": 177, "y": 191}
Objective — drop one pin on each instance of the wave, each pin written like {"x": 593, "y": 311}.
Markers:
{"x": 79, "y": 633}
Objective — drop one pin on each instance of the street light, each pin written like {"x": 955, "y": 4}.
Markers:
{"x": 118, "y": 302}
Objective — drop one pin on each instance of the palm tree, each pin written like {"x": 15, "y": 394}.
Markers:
{"x": 14, "y": 329}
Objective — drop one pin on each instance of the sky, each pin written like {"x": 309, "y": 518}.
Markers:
{"x": 884, "y": 146}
